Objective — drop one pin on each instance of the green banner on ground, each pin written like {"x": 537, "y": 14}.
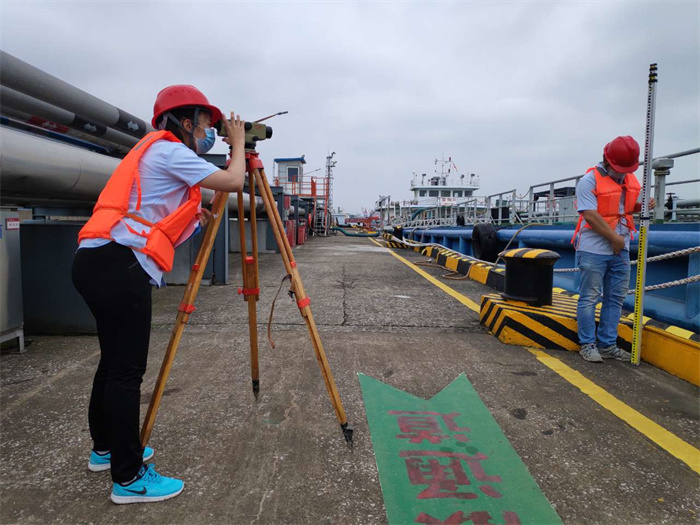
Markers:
{"x": 446, "y": 461}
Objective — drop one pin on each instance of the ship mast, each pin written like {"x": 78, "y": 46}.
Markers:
{"x": 440, "y": 171}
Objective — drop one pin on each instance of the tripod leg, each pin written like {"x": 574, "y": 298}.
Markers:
{"x": 183, "y": 314}
{"x": 248, "y": 284}
{"x": 254, "y": 279}
{"x": 303, "y": 302}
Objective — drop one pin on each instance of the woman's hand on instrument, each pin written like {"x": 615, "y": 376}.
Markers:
{"x": 235, "y": 129}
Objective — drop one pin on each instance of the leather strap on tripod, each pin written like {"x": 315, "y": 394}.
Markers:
{"x": 272, "y": 309}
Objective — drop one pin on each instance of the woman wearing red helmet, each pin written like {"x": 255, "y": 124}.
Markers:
{"x": 150, "y": 205}
{"x": 606, "y": 199}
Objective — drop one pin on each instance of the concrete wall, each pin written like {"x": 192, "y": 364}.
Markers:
{"x": 266, "y": 237}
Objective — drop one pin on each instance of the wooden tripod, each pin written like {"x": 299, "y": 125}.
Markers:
{"x": 250, "y": 292}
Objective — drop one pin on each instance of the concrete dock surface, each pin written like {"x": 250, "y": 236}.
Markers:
{"x": 282, "y": 459}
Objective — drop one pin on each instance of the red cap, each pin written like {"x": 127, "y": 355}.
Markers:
{"x": 622, "y": 153}
{"x": 182, "y": 95}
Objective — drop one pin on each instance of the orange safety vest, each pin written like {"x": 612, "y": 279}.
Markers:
{"x": 113, "y": 205}
{"x": 608, "y": 193}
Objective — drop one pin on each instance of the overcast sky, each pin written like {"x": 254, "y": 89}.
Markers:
{"x": 517, "y": 92}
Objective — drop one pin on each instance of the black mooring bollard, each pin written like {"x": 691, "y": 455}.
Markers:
{"x": 398, "y": 232}
{"x": 529, "y": 275}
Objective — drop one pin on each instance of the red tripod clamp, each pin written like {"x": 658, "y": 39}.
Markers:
{"x": 253, "y": 161}
{"x": 187, "y": 308}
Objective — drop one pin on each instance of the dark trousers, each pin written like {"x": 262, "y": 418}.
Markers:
{"x": 118, "y": 292}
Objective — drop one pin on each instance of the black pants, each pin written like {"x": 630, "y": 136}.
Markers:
{"x": 118, "y": 292}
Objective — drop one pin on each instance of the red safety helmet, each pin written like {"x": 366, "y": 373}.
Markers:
{"x": 622, "y": 153}
{"x": 182, "y": 95}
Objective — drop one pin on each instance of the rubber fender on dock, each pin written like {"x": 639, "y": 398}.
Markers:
{"x": 484, "y": 242}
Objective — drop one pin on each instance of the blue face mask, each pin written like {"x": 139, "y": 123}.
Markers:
{"x": 205, "y": 144}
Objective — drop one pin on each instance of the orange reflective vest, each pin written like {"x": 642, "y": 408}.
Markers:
{"x": 113, "y": 205}
{"x": 608, "y": 193}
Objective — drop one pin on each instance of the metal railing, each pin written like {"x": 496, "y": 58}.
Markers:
{"x": 555, "y": 202}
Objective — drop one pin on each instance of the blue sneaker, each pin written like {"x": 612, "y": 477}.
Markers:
{"x": 147, "y": 488}
{"x": 99, "y": 463}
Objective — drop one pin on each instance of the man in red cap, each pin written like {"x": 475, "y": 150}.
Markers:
{"x": 606, "y": 199}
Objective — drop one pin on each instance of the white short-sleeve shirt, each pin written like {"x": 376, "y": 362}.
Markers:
{"x": 167, "y": 171}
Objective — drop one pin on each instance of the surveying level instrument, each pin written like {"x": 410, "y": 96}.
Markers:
{"x": 644, "y": 221}
{"x": 254, "y": 132}
{"x": 251, "y": 287}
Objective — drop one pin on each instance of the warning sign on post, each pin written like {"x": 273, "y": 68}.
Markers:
{"x": 12, "y": 224}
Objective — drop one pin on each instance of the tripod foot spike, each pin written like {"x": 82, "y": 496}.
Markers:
{"x": 256, "y": 388}
{"x": 347, "y": 433}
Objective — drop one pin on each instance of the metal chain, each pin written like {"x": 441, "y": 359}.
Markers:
{"x": 671, "y": 255}
{"x": 663, "y": 257}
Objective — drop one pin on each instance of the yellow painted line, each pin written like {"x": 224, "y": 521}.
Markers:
{"x": 674, "y": 445}
{"x": 461, "y": 298}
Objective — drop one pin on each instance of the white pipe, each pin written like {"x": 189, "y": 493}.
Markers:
{"x": 35, "y": 167}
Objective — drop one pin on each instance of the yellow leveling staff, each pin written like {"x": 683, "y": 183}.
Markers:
{"x": 644, "y": 222}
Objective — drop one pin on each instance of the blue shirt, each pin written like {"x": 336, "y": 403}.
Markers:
{"x": 590, "y": 241}
{"x": 167, "y": 171}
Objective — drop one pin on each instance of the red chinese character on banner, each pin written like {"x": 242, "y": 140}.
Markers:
{"x": 476, "y": 518}
{"x": 443, "y": 480}
{"x": 425, "y": 426}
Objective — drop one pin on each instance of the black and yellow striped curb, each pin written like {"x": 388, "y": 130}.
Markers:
{"x": 480, "y": 272}
{"x": 555, "y": 327}
{"x": 483, "y": 273}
